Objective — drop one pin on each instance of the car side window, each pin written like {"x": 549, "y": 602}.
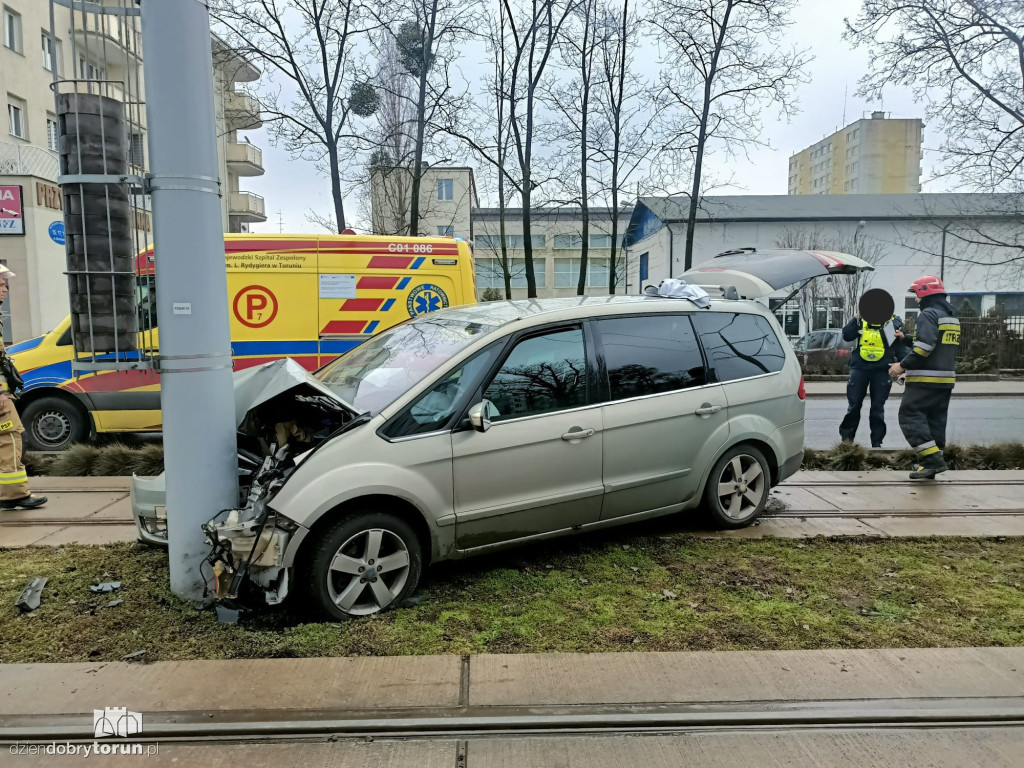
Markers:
{"x": 435, "y": 409}
{"x": 738, "y": 345}
{"x": 649, "y": 355}
{"x": 542, "y": 374}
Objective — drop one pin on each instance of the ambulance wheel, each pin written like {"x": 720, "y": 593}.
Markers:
{"x": 53, "y": 424}
{"x": 365, "y": 563}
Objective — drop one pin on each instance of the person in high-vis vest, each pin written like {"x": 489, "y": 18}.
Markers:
{"x": 930, "y": 373}
{"x": 14, "y": 492}
{"x": 869, "y": 366}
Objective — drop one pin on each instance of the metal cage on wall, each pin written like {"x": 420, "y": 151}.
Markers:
{"x": 102, "y": 153}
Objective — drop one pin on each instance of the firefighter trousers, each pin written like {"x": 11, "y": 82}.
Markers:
{"x": 923, "y": 411}
{"x": 13, "y": 478}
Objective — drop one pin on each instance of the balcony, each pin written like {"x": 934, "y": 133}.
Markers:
{"x": 245, "y": 160}
{"x": 114, "y": 40}
{"x": 247, "y": 207}
{"x": 241, "y": 112}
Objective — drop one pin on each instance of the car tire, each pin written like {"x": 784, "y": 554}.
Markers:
{"x": 738, "y": 487}
{"x": 335, "y": 584}
{"x": 53, "y": 424}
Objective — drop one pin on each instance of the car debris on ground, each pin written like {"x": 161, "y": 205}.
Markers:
{"x": 31, "y": 596}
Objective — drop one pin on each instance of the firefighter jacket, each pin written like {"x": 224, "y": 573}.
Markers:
{"x": 932, "y": 360}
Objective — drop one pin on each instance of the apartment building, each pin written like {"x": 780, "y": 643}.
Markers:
{"x": 876, "y": 155}
{"x": 101, "y": 54}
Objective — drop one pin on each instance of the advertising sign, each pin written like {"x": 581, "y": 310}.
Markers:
{"x": 12, "y": 213}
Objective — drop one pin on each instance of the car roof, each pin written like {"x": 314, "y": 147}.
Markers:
{"x": 579, "y": 307}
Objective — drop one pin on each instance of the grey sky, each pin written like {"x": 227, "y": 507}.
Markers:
{"x": 293, "y": 187}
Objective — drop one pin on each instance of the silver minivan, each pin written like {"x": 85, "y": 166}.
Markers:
{"x": 493, "y": 425}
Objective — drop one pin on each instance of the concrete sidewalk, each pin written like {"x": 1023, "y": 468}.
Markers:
{"x": 400, "y": 692}
{"x": 1004, "y": 388}
{"x": 970, "y": 503}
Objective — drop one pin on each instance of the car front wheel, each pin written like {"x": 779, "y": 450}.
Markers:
{"x": 365, "y": 563}
{"x": 738, "y": 487}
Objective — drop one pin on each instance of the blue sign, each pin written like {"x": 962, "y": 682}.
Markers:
{"x": 57, "y": 232}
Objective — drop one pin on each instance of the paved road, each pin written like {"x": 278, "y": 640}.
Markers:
{"x": 971, "y": 420}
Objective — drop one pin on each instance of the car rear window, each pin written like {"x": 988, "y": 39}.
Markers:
{"x": 738, "y": 345}
{"x": 648, "y": 355}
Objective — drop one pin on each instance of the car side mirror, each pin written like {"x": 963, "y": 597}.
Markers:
{"x": 479, "y": 416}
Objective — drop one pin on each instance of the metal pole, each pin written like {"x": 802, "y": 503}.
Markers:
{"x": 942, "y": 258}
{"x": 191, "y": 280}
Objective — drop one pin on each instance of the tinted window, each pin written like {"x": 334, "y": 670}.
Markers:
{"x": 738, "y": 345}
{"x": 542, "y": 374}
{"x": 436, "y": 409}
{"x": 648, "y": 355}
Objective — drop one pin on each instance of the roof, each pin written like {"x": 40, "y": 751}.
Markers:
{"x": 572, "y": 213}
{"x": 499, "y": 313}
{"x": 651, "y": 213}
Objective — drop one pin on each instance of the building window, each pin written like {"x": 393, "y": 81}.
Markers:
{"x": 514, "y": 242}
{"x": 446, "y": 230}
{"x": 488, "y": 273}
{"x": 137, "y": 150}
{"x": 12, "y": 30}
{"x": 445, "y": 189}
{"x": 567, "y": 273}
{"x": 16, "y": 117}
{"x": 89, "y": 71}
{"x": 51, "y": 51}
{"x": 51, "y": 132}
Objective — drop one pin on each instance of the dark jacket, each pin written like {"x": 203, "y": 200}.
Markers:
{"x": 932, "y": 360}
{"x": 852, "y": 331}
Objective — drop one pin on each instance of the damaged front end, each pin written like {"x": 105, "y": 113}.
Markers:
{"x": 288, "y": 414}
{"x": 283, "y": 414}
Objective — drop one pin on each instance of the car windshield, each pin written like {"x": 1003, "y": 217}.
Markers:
{"x": 378, "y": 372}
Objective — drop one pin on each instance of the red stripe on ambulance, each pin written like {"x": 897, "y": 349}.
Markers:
{"x": 344, "y": 327}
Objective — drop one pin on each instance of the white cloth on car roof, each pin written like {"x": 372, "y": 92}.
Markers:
{"x": 680, "y": 289}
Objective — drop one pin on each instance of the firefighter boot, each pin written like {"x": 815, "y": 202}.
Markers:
{"x": 928, "y": 467}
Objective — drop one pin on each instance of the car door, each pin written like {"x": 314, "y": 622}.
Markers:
{"x": 538, "y": 467}
{"x": 662, "y": 418}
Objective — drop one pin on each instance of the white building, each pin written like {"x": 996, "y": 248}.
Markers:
{"x": 103, "y": 53}
{"x": 974, "y": 242}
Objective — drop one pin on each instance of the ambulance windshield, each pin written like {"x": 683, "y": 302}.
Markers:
{"x": 376, "y": 373}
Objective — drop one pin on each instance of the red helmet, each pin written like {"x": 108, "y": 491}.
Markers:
{"x": 927, "y": 285}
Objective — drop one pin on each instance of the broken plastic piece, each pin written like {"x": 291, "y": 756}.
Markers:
{"x": 31, "y": 595}
{"x": 113, "y": 603}
{"x": 133, "y": 656}
{"x": 107, "y": 586}
{"x": 227, "y": 615}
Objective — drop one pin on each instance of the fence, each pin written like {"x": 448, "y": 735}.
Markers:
{"x": 988, "y": 344}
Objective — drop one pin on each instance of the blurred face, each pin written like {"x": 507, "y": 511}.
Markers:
{"x": 3, "y": 288}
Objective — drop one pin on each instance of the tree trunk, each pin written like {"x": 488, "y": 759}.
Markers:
{"x": 339, "y": 202}
{"x": 617, "y": 143}
{"x": 421, "y": 125}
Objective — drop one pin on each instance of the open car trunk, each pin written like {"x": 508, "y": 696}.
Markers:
{"x": 756, "y": 273}
{"x": 283, "y": 413}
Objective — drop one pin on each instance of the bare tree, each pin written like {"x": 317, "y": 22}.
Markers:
{"x": 725, "y": 62}
{"x": 428, "y": 37}
{"x": 311, "y": 47}
{"x": 965, "y": 60}
{"x": 534, "y": 33}
{"x": 571, "y": 100}
{"x": 844, "y": 290}
{"x": 625, "y": 118}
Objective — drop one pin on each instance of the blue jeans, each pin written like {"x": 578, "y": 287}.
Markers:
{"x": 856, "y": 390}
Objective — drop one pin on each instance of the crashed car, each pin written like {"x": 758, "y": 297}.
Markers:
{"x": 471, "y": 429}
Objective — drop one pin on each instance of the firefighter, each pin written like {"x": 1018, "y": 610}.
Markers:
{"x": 14, "y": 492}
{"x": 869, "y": 365}
{"x": 930, "y": 369}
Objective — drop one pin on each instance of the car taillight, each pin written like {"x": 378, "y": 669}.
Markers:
{"x": 801, "y": 392}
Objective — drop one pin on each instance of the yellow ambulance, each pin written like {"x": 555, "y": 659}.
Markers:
{"x": 307, "y": 297}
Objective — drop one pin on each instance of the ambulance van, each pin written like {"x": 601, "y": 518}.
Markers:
{"x": 310, "y": 298}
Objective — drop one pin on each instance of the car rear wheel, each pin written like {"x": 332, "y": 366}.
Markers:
{"x": 738, "y": 486}
{"x": 365, "y": 563}
{"x": 53, "y": 424}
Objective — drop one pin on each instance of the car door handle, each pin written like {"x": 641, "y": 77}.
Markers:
{"x": 577, "y": 433}
{"x": 707, "y": 409}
